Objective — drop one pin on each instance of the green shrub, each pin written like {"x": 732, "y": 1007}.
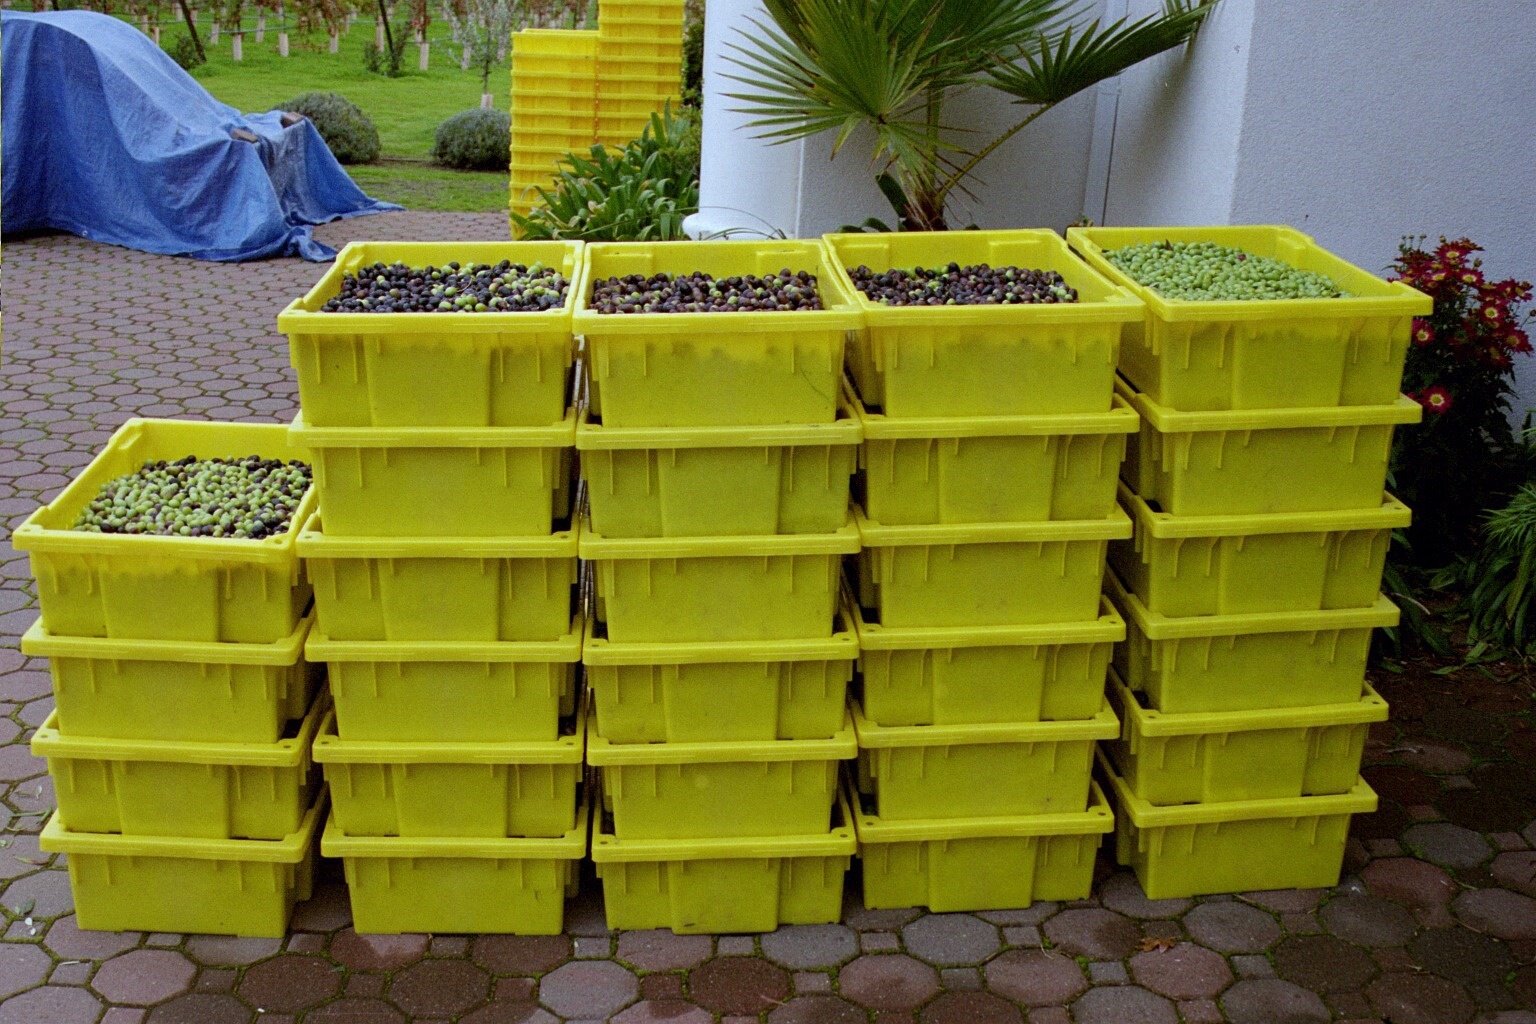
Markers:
{"x": 693, "y": 63}
{"x": 1500, "y": 578}
{"x": 341, "y": 123}
{"x": 389, "y": 62}
{"x": 474, "y": 140}
{"x": 184, "y": 52}
{"x": 641, "y": 193}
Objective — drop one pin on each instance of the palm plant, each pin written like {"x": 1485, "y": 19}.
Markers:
{"x": 837, "y": 65}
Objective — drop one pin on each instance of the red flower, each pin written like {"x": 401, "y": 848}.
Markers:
{"x": 1471, "y": 277}
{"x": 1423, "y": 333}
{"x": 1436, "y": 399}
{"x": 1493, "y": 311}
{"x": 1457, "y": 251}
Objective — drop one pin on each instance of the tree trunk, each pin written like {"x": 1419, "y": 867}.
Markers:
{"x": 213, "y": 33}
{"x": 487, "y": 101}
{"x": 154, "y": 33}
{"x": 425, "y": 59}
{"x": 378, "y": 35}
{"x": 191, "y": 17}
{"x": 335, "y": 41}
{"x": 237, "y": 46}
{"x": 389, "y": 35}
{"x": 282, "y": 43}
{"x": 261, "y": 28}
{"x": 464, "y": 60}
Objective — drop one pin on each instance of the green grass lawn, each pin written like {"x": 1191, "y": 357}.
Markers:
{"x": 407, "y": 109}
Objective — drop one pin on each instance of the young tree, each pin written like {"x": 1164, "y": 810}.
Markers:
{"x": 481, "y": 30}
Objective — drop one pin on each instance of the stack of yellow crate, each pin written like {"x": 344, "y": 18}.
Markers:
{"x": 179, "y": 746}
{"x": 992, "y": 445}
{"x": 554, "y": 105}
{"x": 717, "y": 456}
{"x": 639, "y": 65}
{"x": 1251, "y": 586}
{"x": 444, "y": 562}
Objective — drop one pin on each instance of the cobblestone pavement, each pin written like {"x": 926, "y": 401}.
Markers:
{"x": 1435, "y": 922}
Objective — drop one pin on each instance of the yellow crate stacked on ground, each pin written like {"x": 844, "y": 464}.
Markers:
{"x": 639, "y": 65}
{"x": 717, "y": 457}
{"x": 443, "y": 558}
{"x": 1251, "y": 586}
{"x": 992, "y": 445}
{"x": 179, "y": 743}
{"x": 554, "y": 105}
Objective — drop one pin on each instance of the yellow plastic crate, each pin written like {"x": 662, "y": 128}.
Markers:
{"x": 461, "y": 789}
{"x": 1248, "y": 662}
{"x": 433, "y": 369}
{"x": 667, "y": 481}
{"x": 985, "y": 675}
{"x": 187, "y": 789}
{"x": 993, "y": 863}
{"x": 167, "y": 588}
{"x": 563, "y": 42}
{"x": 532, "y": 123}
{"x": 451, "y": 691}
{"x": 984, "y": 574}
{"x": 178, "y": 884}
{"x": 176, "y": 689}
{"x": 1016, "y": 360}
{"x": 712, "y": 589}
{"x": 640, "y": 20}
{"x": 719, "y": 790}
{"x": 992, "y": 469}
{"x": 1268, "y": 354}
{"x": 714, "y": 369}
{"x": 979, "y": 771}
{"x": 392, "y": 588}
{"x": 657, "y": 48}
{"x": 441, "y": 481}
{"x": 725, "y": 885}
{"x": 633, "y": 77}
{"x": 751, "y": 690}
{"x": 1248, "y": 462}
{"x": 1232, "y": 565}
{"x": 1241, "y": 846}
{"x": 451, "y": 884}
{"x": 1215, "y": 757}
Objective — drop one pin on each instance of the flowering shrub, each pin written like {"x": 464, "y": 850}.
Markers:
{"x": 1463, "y": 458}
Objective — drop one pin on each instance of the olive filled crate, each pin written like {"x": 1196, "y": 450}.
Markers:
{"x": 142, "y": 587}
{"x": 714, "y": 369}
{"x": 182, "y": 788}
{"x": 1276, "y": 562}
{"x": 513, "y": 589}
{"x": 1264, "y": 354}
{"x": 984, "y": 574}
{"x": 454, "y": 884}
{"x": 720, "y": 691}
{"x": 433, "y": 369}
{"x": 710, "y": 589}
{"x": 985, "y": 675}
{"x": 1253, "y": 461}
{"x": 1004, "y": 862}
{"x": 719, "y": 790}
{"x": 451, "y": 691}
{"x": 725, "y": 884}
{"x": 935, "y": 361}
{"x": 460, "y": 789}
{"x": 180, "y": 884}
{"x": 1249, "y": 662}
{"x": 176, "y": 689}
{"x": 1238, "y": 846}
{"x": 1215, "y": 757}
{"x": 667, "y": 481}
{"x": 979, "y": 771}
{"x": 442, "y": 481}
{"x": 991, "y": 469}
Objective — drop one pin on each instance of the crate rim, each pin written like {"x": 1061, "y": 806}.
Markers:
{"x": 1098, "y": 819}
{"x": 599, "y": 652}
{"x": 1109, "y": 627}
{"x": 840, "y": 840}
{"x": 1102, "y": 726}
{"x": 558, "y": 435}
{"x": 1149, "y": 722}
{"x": 1157, "y": 626}
{"x": 602, "y": 753}
{"x": 1115, "y": 526}
{"x": 315, "y": 544}
{"x": 596, "y": 547}
{"x": 329, "y": 748}
{"x": 38, "y": 642}
{"x": 1391, "y": 514}
{"x": 291, "y": 849}
{"x": 1173, "y": 421}
{"x": 571, "y": 846}
{"x": 565, "y": 650}
{"x": 846, "y": 430}
{"x": 1119, "y": 419}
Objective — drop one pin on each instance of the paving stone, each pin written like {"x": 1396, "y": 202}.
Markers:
{"x": 520, "y": 954}
{"x": 861, "y": 918}
{"x": 661, "y": 950}
{"x": 53, "y": 1004}
{"x": 307, "y": 942}
{"x": 674, "y": 1011}
{"x": 355, "y": 1011}
{"x": 1285, "y": 901}
{"x": 960, "y": 979}
{"x": 1323, "y": 963}
{"x": 1108, "y": 972}
{"x": 592, "y": 947}
{"x": 1407, "y": 880}
{"x": 447, "y": 987}
{"x": 448, "y": 945}
{"x": 1232, "y": 927}
{"x": 817, "y": 1010}
{"x": 290, "y": 982}
{"x": 1123, "y": 1004}
{"x": 216, "y": 979}
{"x": 1516, "y": 870}
{"x": 1272, "y": 1001}
{"x": 1050, "y": 1015}
{"x": 22, "y": 965}
{"x": 1253, "y": 965}
{"x": 738, "y": 984}
{"x": 1368, "y": 921}
{"x": 969, "y": 1008}
{"x": 1448, "y": 845}
{"x": 1462, "y": 956}
{"x": 510, "y": 1012}
{"x": 229, "y": 951}
{"x": 1123, "y": 893}
{"x": 1034, "y": 914}
{"x": 735, "y": 945}
{"x": 660, "y": 987}
{"x": 205, "y": 1008}
{"x": 1499, "y": 912}
{"x": 810, "y": 946}
{"x": 1200, "y": 1011}
{"x": 124, "y": 1015}
{"x": 325, "y": 911}
{"x": 1186, "y": 971}
{"x": 875, "y": 942}
{"x": 68, "y": 942}
{"x": 809, "y": 983}
{"x": 376, "y": 952}
{"x": 890, "y": 982}
{"x": 71, "y": 972}
{"x": 1093, "y": 932}
{"x": 1036, "y": 977}
{"x": 1420, "y": 999}
{"x": 1021, "y": 935}
{"x": 46, "y": 892}
{"x": 143, "y": 977}
{"x": 947, "y": 940}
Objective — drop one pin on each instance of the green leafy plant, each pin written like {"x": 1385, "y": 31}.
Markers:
{"x": 474, "y": 140}
{"x": 642, "y": 192}
{"x": 390, "y": 61}
{"x": 184, "y": 51}
{"x": 891, "y": 65}
{"x": 693, "y": 62}
{"x": 1501, "y": 578}
{"x": 349, "y": 132}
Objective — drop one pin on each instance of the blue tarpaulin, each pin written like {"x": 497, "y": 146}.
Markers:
{"x": 108, "y": 138}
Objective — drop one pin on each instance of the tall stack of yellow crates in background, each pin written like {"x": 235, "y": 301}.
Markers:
{"x": 179, "y": 744}
{"x": 716, "y": 452}
{"x": 575, "y": 87}
{"x": 443, "y": 557}
{"x": 992, "y": 443}
{"x": 1250, "y": 588}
